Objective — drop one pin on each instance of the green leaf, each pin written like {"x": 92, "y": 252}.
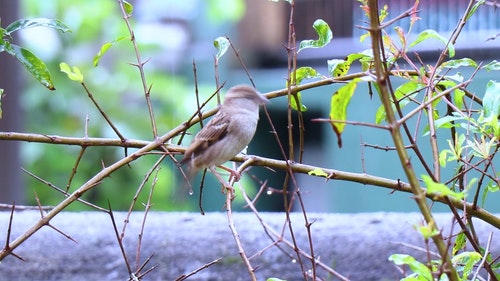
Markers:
{"x": 466, "y": 260}
{"x": 305, "y": 72}
{"x": 494, "y": 125}
{"x": 29, "y": 23}
{"x": 338, "y": 109}
{"x": 459, "y": 63}
{"x": 458, "y": 94}
{"x": 483, "y": 147}
{"x": 493, "y": 65}
{"x": 129, "y": 8}
{"x": 33, "y": 64}
{"x": 296, "y": 100}
{"x": 222, "y": 45}
{"x": 406, "y": 91}
{"x": 338, "y": 67}
{"x": 318, "y": 172}
{"x": 491, "y": 100}
{"x": 73, "y": 73}
{"x": 2, "y": 41}
{"x": 456, "y": 148}
{"x": 360, "y": 56}
{"x": 443, "y": 157}
{"x": 471, "y": 183}
{"x": 428, "y": 34}
{"x": 366, "y": 60}
{"x": 104, "y": 49}
{"x": 474, "y": 8}
{"x": 458, "y": 98}
{"x": 460, "y": 243}
{"x": 403, "y": 94}
{"x": 324, "y": 33}
{"x": 492, "y": 187}
{"x": 299, "y": 75}
{"x": 427, "y": 231}
{"x": 417, "y": 267}
{"x": 457, "y": 77}
{"x": 441, "y": 189}
{"x": 274, "y": 278}
{"x": 446, "y": 121}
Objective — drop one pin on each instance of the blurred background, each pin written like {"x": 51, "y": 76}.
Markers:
{"x": 171, "y": 36}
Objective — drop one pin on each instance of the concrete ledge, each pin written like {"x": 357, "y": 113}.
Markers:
{"x": 355, "y": 245}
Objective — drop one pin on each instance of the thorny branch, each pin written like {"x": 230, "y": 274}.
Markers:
{"x": 382, "y": 73}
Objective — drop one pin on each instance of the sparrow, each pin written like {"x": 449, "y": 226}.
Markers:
{"x": 226, "y": 134}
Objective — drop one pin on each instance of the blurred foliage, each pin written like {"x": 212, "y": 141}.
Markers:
{"x": 116, "y": 85}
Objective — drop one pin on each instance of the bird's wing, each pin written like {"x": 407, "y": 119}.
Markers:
{"x": 215, "y": 130}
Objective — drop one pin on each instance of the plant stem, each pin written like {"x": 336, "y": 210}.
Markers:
{"x": 394, "y": 127}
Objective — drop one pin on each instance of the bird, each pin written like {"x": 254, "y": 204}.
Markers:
{"x": 228, "y": 132}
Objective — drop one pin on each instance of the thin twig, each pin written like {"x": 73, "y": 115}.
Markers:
{"x": 23, "y": 208}
{"x": 236, "y": 236}
{"x": 60, "y": 190}
{"x": 139, "y": 273}
{"x": 138, "y": 192}
{"x": 48, "y": 223}
{"x": 197, "y": 95}
{"x": 484, "y": 259}
{"x": 119, "y": 239}
{"x": 198, "y": 116}
{"x": 355, "y": 123}
{"x": 147, "y": 207}
{"x": 205, "y": 266}
{"x": 240, "y": 60}
{"x": 103, "y": 114}
{"x": 9, "y": 229}
{"x": 278, "y": 239}
{"x": 216, "y": 71}
{"x": 75, "y": 167}
{"x": 140, "y": 66}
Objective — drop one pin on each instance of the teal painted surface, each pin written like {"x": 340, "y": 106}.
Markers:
{"x": 322, "y": 150}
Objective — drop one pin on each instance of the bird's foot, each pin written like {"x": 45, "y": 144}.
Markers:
{"x": 226, "y": 187}
{"x": 234, "y": 174}
{"x": 229, "y": 190}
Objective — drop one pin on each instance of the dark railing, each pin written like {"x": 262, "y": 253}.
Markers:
{"x": 345, "y": 15}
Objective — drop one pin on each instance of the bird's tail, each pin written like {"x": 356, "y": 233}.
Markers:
{"x": 188, "y": 174}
